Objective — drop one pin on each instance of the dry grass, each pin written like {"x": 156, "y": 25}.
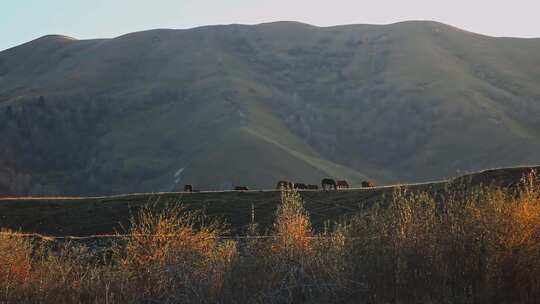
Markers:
{"x": 15, "y": 263}
{"x": 478, "y": 245}
{"x": 173, "y": 256}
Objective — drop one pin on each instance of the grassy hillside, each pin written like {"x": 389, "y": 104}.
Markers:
{"x": 232, "y": 105}
{"x": 82, "y": 216}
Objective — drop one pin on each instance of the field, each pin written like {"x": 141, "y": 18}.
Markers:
{"x": 460, "y": 241}
{"x": 83, "y": 216}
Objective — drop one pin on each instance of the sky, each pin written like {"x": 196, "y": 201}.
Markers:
{"x": 24, "y": 20}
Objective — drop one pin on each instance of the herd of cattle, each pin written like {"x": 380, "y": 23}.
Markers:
{"x": 326, "y": 184}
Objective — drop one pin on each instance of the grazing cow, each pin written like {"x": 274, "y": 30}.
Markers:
{"x": 342, "y": 184}
{"x": 283, "y": 185}
{"x": 368, "y": 184}
{"x": 300, "y": 186}
{"x": 188, "y": 188}
{"x": 241, "y": 188}
{"x": 313, "y": 187}
{"x": 328, "y": 184}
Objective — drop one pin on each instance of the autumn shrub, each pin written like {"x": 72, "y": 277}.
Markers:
{"x": 470, "y": 245}
{"x": 295, "y": 264}
{"x": 463, "y": 244}
{"x": 35, "y": 270}
{"x": 174, "y": 256}
{"x": 15, "y": 265}
{"x": 510, "y": 228}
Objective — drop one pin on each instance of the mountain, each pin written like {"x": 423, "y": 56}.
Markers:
{"x": 228, "y": 105}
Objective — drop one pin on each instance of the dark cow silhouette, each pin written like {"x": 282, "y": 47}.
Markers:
{"x": 188, "y": 188}
{"x": 300, "y": 186}
{"x": 342, "y": 184}
{"x": 241, "y": 188}
{"x": 313, "y": 187}
{"x": 328, "y": 184}
{"x": 283, "y": 184}
{"x": 368, "y": 184}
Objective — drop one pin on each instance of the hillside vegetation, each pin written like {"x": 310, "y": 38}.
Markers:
{"x": 474, "y": 244}
{"x": 220, "y": 106}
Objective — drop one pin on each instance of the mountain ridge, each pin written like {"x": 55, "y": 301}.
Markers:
{"x": 284, "y": 22}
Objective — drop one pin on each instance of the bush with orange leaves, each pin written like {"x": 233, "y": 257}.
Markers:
{"x": 15, "y": 263}
{"x": 461, "y": 245}
{"x": 292, "y": 228}
{"x": 511, "y": 230}
{"x": 470, "y": 245}
{"x": 298, "y": 264}
{"x": 173, "y": 255}
{"x": 33, "y": 272}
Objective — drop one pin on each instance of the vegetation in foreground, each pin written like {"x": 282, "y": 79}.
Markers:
{"x": 478, "y": 245}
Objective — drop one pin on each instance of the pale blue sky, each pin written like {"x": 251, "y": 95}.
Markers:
{"x": 24, "y": 20}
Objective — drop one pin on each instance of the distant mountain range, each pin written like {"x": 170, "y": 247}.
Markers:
{"x": 229, "y": 105}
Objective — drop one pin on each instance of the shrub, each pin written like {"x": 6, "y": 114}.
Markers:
{"x": 472, "y": 245}
{"x": 173, "y": 255}
{"x": 15, "y": 264}
{"x": 462, "y": 245}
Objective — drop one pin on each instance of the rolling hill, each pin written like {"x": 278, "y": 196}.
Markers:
{"x": 228, "y": 105}
{"x": 86, "y": 216}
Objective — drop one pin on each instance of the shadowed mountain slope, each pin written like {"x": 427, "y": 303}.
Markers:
{"x": 220, "y": 106}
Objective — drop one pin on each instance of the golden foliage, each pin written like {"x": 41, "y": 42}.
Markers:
{"x": 15, "y": 258}
{"x": 464, "y": 245}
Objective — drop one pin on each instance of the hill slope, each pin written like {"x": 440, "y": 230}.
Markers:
{"x": 224, "y": 105}
{"x": 84, "y": 216}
